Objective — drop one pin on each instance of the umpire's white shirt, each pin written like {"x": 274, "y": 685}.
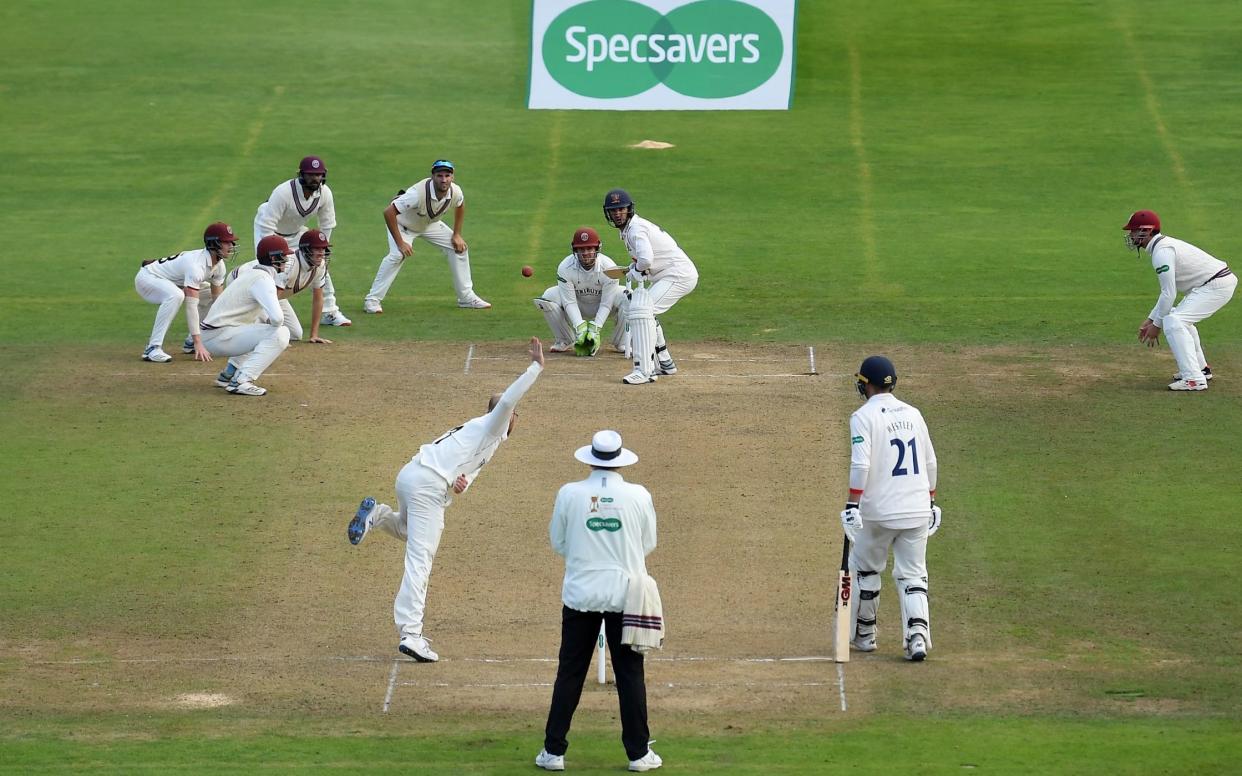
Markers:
{"x": 657, "y": 253}
{"x": 604, "y": 526}
{"x": 891, "y": 453}
{"x": 251, "y": 294}
{"x": 1179, "y": 266}
{"x": 286, "y": 211}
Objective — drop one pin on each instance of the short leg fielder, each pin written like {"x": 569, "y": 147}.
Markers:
{"x": 1179, "y": 325}
{"x": 439, "y": 235}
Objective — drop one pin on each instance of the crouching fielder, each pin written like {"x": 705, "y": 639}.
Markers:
{"x": 231, "y": 329}
{"x": 657, "y": 258}
{"x": 892, "y": 478}
{"x": 583, "y": 299}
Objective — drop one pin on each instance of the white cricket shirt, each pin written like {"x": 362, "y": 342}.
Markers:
{"x": 1179, "y": 266}
{"x": 581, "y": 291}
{"x": 187, "y": 269}
{"x": 656, "y": 251}
{"x": 419, "y": 206}
{"x": 286, "y": 210}
{"x": 605, "y": 527}
{"x": 890, "y": 443}
{"x": 252, "y": 294}
{"x": 297, "y": 276}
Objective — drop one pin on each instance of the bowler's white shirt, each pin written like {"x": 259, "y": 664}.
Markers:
{"x": 415, "y": 211}
{"x": 604, "y": 527}
{"x": 286, "y": 211}
{"x": 890, "y": 443}
{"x": 656, "y": 251}
{"x": 252, "y": 294}
{"x": 1179, "y": 266}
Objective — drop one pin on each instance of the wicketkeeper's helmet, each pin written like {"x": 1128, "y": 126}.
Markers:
{"x": 311, "y": 164}
{"x": 1142, "y": 224}
{"x": 877, "y": 371}
{"x": 585, "y": 237}
{"x": 272, "y": 251}
{"x": 618, "y": 199}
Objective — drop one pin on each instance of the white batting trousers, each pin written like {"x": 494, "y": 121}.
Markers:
{"x": 438, "y": 234}
{"x": 260, "y": 343}
{"x": 1179, "y": 325}
{"x": 165, "y": 293}
{"x": 869, "y": 552}
{"x": 422, "y": 495}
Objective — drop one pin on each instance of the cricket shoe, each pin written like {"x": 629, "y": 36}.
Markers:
{"x": 560, "y": 346}
{"x": 418, "y": 648}
{"x": 475, "y": 303}
{"x": 1188, "y": 385}
{"x": 244, "y": 388}
{"x": 371, "y": 307}
{"x": 648, "y": 762}
{"x": 226, "y": 376}
{"x": 917, "y": 648}
{"x": 550, "y": 762}
{"x": 334, "y": 318}
{"x": 864, "y": 643}
{"x": 1207, "y": 374}
{"x": 361, "y": 524}
{"x": 187, "y": 347}
{"x": 638, "y": 378}
{"x": 156, "y": 355}
{"x": 667, "y": 367}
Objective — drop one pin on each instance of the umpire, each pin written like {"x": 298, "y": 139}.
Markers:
{"x": 604, "y": 527}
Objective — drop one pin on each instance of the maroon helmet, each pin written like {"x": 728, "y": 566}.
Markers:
{"x": 1139, "y": 229}
{"x": 272, "y": 250}
{"x": 312, "y": 239}
{"x": 311, "y": 165}
{"x": 217, "y": 235}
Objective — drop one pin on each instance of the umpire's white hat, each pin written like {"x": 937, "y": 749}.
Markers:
{"x": 606, "y": 451}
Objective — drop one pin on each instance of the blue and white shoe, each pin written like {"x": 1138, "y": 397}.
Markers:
{"x": 226, "y": 376}
{"x": 361, "y": 524}
{"x": 156, "y": 354}
{"x": 187, "y": 346}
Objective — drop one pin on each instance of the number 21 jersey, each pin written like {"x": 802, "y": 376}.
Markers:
{"x": 889, "y": 440}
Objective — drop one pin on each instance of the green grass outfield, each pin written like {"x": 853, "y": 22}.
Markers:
{"x": 952, "y": 179}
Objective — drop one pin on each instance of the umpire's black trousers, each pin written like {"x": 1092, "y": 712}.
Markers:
{"x": 579, "y": 631}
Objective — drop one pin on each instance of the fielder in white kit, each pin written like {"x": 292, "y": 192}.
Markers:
{"x": 417, "y": 212}
{"x": 657, "y": 258}
{"x": 1206, "y": 281}
{"x": 231, "y": 328}
{"x": 425, "y": 486}
{"x": 172, "y": 280}
{"x": 288, "y": 209}
{"x": 583, "y": 299}
{"x": 211, "y": 287}
{"x": 891, "y": 504}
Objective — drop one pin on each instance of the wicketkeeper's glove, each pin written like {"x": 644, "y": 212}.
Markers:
{"x": 588, "y": 339}
{"x": 851, "y": 520}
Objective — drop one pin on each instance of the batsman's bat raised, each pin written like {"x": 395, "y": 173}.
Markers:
{"x": 844, "y": 608}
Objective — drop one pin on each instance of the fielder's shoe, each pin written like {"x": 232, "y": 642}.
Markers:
{"x": 226, "y": 376}
{"x": 648, "y": 762}
{"x": 1188, "y": 385}
{"x": 245, "y": 388}
{"x": 667, "y": 367}
{"x": 1207, "y": 374}
{"x": 156, "y": 354}
{"x": 560, "y": 346}
{"x": 187, "y": 347}
{"x": 638, "y": 378}
{"x": 372, "y": 307}
{"x": 550, "y": 762}
{"x": 361, "y": 524}
{"x": 418, "y": 648}
{"x": 864, "y": 643}
{"x": 475, "y": 303}
{"x": 334, "y": 318}
{"x": 917, "y": 649}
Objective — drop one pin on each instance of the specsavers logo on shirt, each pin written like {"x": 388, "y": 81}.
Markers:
{"x": 662, "y": 54}
{"x": 604, "y": 524}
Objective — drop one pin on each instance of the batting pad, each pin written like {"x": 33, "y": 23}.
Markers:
{"x": 915, "y": 614}
{"x": 640, "y": 320}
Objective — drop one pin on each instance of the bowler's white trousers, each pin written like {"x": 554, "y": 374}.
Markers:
{"x": 422, "y": 495}
{"x": 438, "y": 234}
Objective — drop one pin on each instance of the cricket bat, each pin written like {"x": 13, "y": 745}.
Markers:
{"x": 845, "y": 607}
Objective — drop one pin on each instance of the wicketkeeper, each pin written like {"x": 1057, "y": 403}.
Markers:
{"x": 583, "y": 299}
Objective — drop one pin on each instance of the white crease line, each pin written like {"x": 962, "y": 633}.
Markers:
{"x": 469, "y": 356}
{"x": 811, "y": 354}
{"x": 379, "y": 659}
{"x": 841, "y": 683}
{"x": 663, "y": 685}
{"x": 392, "y": 683}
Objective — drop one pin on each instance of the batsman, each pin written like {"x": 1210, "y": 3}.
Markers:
{"x": 891, "y": 505}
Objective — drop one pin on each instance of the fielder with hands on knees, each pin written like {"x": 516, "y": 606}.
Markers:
{"x": 891, "y": 505}
{"x": 1206, "y": 281}
{"x": 604, "y": 527}
{"x": 583, "y": 299}
{"x": 172, "y": 280}
{"x": 425, "y": 486}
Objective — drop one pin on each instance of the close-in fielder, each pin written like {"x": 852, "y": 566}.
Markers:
{"x": 892, "y": 504}
{"x": 233, "y": 326}
{"x": 171, "y": 280}
{"x": 583, "y": 299}
{"x": 656, "y": 258}
{"x": 418, "y": 212}
{"x": 208, "y": 290}
{"x": 1206, "y": 281}
{"x": 288, "y": 209}
{"x": 425, "y": 486}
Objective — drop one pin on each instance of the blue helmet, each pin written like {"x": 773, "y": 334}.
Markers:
{"x": 877, "y": 371}
{"x": 615, "y": 200}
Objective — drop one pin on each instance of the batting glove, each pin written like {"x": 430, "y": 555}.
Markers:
{"x": 851, "y": 520}
{"x": 633, "y": 275}
{"x": 934, "y": 524}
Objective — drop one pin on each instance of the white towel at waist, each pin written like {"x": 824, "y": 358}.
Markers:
{"x": 642, "y": 624}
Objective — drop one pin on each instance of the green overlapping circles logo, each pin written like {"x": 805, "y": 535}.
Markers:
{"x": 619, "y": 48}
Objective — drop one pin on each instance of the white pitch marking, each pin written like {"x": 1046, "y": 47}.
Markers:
{"x": 667, "y": 685}
{"x": 381, "y": 659}
{"x": 841, "y": 683}
{"x": 392, "y": 682}
{"x": 811, "y": 354}
{"x": 469, "y": 356}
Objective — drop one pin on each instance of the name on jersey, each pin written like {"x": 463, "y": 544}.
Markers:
{"x": 900, "y": 425}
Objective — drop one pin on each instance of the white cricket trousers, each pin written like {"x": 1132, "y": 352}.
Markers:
{"x": 329, "y": 292}
{"x": 165, "y": 293}
{"x": 438, "y": 234}
{"x": 1179, "y": 325}
{"x": 869, "y": 556}
{"x": 260, "y": 343}
{"x": 422, "y": 495}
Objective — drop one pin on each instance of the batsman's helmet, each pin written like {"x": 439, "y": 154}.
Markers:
{"x": 1142, "y": 225}
{"x": 313, "y": 238}
{"x": 272, "y": 251}
{"x": 877, "y": 371}
{"x": 217, "y": 235}
{"x": 311, "y": 164}
{"x": 441, "y": 164}
{"x": 618, "y": 199}
{"x": 585, "y": 237}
